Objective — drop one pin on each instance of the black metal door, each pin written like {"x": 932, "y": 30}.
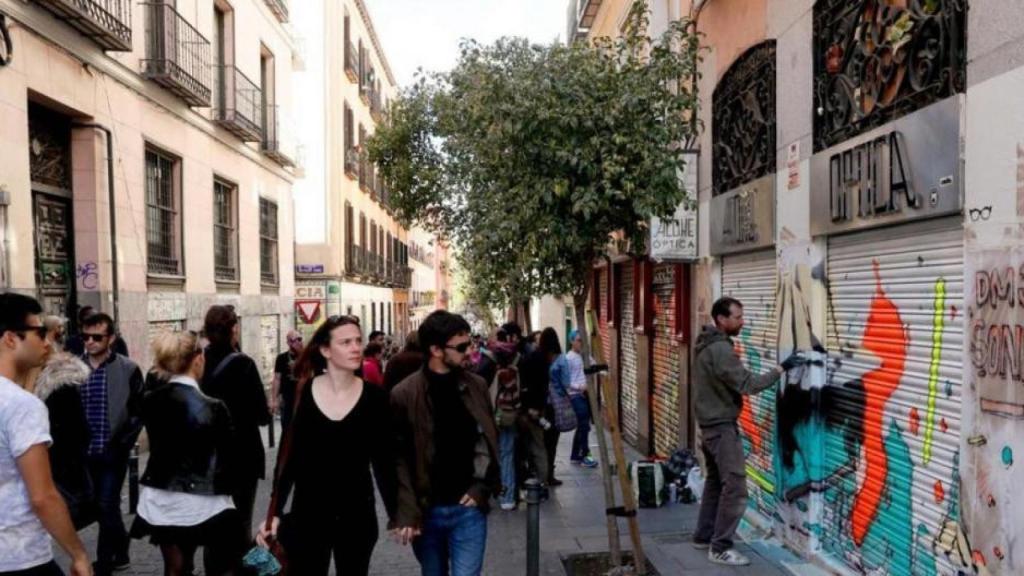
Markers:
{"x": 55, "y": 278}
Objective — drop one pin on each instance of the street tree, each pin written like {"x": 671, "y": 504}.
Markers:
{"x": 529, "y": 157}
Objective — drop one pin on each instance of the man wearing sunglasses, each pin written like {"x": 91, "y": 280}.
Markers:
{"x": 447, "y": 453}
{"x": 112, "y": 401}
{"x": 282, "y": 390}
{"x": 32, "y": 509}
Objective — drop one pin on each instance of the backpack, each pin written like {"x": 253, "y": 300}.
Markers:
{"x": 506, "y": 402}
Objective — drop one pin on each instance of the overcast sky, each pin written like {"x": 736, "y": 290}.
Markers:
{"x": 426, "y": 33}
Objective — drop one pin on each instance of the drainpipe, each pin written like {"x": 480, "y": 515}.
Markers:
{"x": 115, "y": 297}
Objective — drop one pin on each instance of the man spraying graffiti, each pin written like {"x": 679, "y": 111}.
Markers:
{"x": 722, "y": 381}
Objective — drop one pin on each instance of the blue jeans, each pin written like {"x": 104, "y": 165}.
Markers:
{"x": 507, "y": 459}
{"x": 581, "y": 440}
{"x": 107, "y": 473}
{"x": 455, "y": 535}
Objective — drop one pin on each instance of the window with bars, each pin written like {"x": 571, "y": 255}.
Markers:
{"x": 163, "y": 223}
{"x": 268, "y": 241}
{"x": 225, "y": 231}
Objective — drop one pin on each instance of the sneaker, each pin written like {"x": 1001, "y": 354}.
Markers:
{"x": 507, "y": 506}
{"x": 701, "y": 545}
{"x": 728, "y": 557}
{"x": 588, "y": 462}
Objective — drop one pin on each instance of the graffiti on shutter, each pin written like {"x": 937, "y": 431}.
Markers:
{"x": 890, "y": 409}
{"x": 629, "y": 414}
{"x": 751, "y": 279}
{"x": 665, "y": 399}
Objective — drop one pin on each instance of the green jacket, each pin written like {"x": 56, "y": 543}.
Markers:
{"x": 722, "y": 379}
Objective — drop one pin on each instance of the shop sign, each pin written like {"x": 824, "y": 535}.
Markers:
{"x": 675, "y": 238}
{"x": 905, "y": 170}
{"x": 744, "y": 218}
{"x": 310, "y": 292}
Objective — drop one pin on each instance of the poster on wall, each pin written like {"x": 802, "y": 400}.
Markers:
{"x": 310, "y": 307}
{"x": 675, "y": 238}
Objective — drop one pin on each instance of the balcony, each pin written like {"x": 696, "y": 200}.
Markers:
{"x": 351, "y": 62}
{"x": 279, "y": 8}
{"x": 177, "y": 55}
{"x": 278, "y": 143}
{"x": 107, "y": 22}
{"x": 352, "y": 162}
{"x": 240, "y": 106}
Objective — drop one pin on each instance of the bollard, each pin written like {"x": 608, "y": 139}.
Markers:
{"x": 133, "y": 479}
{"x": 533, "y": 495}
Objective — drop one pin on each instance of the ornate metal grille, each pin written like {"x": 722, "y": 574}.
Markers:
{"x": 163, "y": 236}
{"x": 49, "y": 138}
{"x": 743, "y": 108}
{"x": 268, "y": 241}
{"x": 875, "y": 61}
{"x": 225, "y": 232}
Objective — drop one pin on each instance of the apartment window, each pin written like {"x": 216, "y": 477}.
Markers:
{"x": 223, "y": 50}
{"x": 269, "y": 95}
{"x": 362, "y": 230}
{"x": 373, "y": 315}
{"x": 351, "y": 154}
{"x": 163, "y": 217}
{"x": 225, "y": 231}
{"x": 350, "y": 235}
{"x": 268, "y": 241}
{"x": 373, "y": 240}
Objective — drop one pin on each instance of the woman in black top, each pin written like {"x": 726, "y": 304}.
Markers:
{"x": 341, "y": 428}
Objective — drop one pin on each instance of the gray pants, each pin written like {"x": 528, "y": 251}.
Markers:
{"x": 725, "y": 488}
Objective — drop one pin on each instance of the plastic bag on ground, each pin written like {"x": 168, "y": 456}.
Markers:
{"x": 695, "y": 482}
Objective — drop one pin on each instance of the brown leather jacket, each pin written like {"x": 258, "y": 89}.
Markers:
{"x": 413, "y": 426}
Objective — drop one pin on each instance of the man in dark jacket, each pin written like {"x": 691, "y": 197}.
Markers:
{"x": 447, "y": 453}
{"x": 722, "y": 381}
{"x": 233, "y": 377}
{"x": 112, "y": 399}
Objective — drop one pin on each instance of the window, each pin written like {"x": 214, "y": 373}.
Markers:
{"x": 269, "y": 94}
{"x": 225, "y": 231}
{"x": 163, "y": 224}
{"x": 268, "y": 241}
{"x": 350, "y": 235}
{"x": 373, "y": 316}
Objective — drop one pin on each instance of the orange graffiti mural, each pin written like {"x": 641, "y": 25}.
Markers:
{"x": 885, "y": 337}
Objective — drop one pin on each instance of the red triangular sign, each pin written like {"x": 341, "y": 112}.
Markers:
{"x": 309, "y": 309}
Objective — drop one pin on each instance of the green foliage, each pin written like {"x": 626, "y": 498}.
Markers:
{"x": 528, "y": 157}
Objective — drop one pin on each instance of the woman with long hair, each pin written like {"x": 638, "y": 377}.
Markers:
{"x": 185, "y": 500}
{"x": 558, "y": 372}
{"x": 340, "y": 430}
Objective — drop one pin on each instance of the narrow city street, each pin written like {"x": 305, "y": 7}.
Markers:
{"x": 572, "y": 522}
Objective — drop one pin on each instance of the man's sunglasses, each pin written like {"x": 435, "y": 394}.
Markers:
{"x": 460, "y": 348}
{"x": 94, "y": 337}
{"x": 39, "y": 330}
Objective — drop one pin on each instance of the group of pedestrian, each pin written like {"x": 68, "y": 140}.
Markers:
{"x": 425, "y": 430}
{"x": 436, "y": 432}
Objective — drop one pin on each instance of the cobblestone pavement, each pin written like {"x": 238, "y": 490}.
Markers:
{"x": 572, "y": 521}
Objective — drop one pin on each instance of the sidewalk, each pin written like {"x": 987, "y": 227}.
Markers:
{"x": 572, "y": 522}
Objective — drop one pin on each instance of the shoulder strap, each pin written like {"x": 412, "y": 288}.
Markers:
{"x": 284, "y": 453}
{"x": 224, "y": 364}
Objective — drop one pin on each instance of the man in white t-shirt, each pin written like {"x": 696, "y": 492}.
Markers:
{"x": 32, "y": 509}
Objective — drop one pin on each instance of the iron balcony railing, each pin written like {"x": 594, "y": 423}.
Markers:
{"x": 277, "y": 142}
{"x": 177, "y": 55}
{"x": 240, "y": 105}
{"x": 279, "y": 8}
{"x": 107, "y": 22}
{"x": 351, "y": 62}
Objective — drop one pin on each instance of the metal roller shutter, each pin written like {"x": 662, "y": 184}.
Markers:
{"x": 665, "y": 399}
{"x": 602, "y": 316}
{"x": 752, "y": 279}
{"x": 892, "y": 403}
{"x": 628, "y": 394}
